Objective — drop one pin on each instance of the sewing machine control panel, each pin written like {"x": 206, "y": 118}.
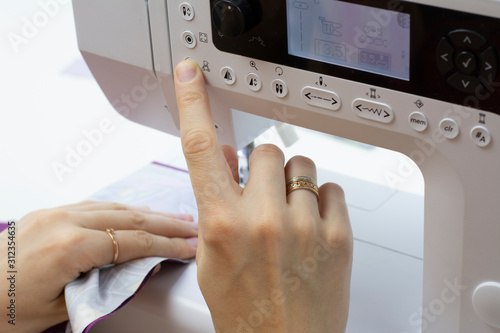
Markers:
{"x": 400, "y": 51}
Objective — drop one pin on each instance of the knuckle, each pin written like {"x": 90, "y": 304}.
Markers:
{"x": 197, "y": 142}
{"x": 304, "y": 161}
{"x": 50, "y": 216}
{"x": 190, "y": 97}
{"x": 118, "y": 206}
{"x": 341, "y": 240}
{"x": 217, "y": 230}
{"x": 268, "y": 227}
{"x": 146, "y": 240}
{"x": 65, "y": 242}
{"x": 138, "y": 220}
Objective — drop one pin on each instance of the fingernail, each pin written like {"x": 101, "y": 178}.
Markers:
{"x": 186, "y": 71}
{"x": 184, "y": 217}
{"x": 156, "y": 269}
{"x": 193, "y": 242}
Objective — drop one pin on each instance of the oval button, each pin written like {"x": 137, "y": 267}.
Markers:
{"x": 321, "y": 98}
{"x": 372, "y": 110}
{"x": 486, "y": 302}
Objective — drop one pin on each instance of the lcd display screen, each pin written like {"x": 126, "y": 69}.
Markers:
{"x": 350, "y": 35}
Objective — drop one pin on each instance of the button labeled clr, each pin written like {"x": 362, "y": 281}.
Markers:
{"x": 321, "y": 98}
{"x": 449, "y": 128}
{"x": 372, "y": 110}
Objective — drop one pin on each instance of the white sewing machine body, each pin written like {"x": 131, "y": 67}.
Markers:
{"x": 444, "y": 55}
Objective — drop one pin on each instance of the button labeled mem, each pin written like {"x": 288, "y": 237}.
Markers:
{"x": 321, "y": 98}
{"x": 418, "y": 121}
{"x": 372, "y": 110}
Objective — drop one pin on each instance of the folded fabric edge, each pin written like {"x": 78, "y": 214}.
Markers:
{"x": 143, "y": 283}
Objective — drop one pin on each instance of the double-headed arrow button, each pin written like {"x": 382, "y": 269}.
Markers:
{"x": 374, "y": 111}
{"x": 321, "y": 98}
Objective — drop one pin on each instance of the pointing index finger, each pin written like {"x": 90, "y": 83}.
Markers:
{"x": 210, "y": 175}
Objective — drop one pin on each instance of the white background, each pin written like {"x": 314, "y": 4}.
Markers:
{"x": 48, "y": 97}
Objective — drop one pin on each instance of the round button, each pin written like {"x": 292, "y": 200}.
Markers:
{"x": 486, "y": 302}
{"x": 279, "y": 88}
{"x": 187, "y": 11}
{"x": 481, "y": 136}
{"x": 418, "y": 121}
{"x": 449, "y": 128}
{"x": 466, "y": 62}
{"x": 188, "y": 39}
{"x": 253, "y": 81}
{"x": 228, "y": 75}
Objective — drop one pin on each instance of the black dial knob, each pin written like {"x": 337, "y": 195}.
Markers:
{"x": 233, "y": 17}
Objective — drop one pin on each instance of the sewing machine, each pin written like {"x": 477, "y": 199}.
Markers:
{"x": 417, "y": 77}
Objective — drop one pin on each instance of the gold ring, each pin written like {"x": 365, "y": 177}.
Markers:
{"x": 302, "y": 183}
{"x": 116, "y": 250}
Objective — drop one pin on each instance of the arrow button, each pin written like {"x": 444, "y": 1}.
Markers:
{"x": 468, "y": 39}
{"x": 444, "y": 56}
{"x": 321, "y": 98}
{"x": 465, "y": 83}
{"x": 373, "y": 111}
{"x": 489, "y": 65}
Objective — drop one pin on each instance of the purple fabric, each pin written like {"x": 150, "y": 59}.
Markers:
{"x": 3, "y": 226}
{"x": 170, "y": 167}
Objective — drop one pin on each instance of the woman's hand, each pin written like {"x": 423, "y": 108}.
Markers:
{"x": 267, "y": 261}
{"x": 54, "y": 246}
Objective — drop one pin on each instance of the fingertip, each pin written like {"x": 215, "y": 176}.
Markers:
{"x": 156, "y": 270}
{"x": 186, "y": 71}
{"x": 184, "y": 217}
{"x": 193, "y": 242}
{"x": 332, "y": 203}
{"x": 333, "y": 190}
